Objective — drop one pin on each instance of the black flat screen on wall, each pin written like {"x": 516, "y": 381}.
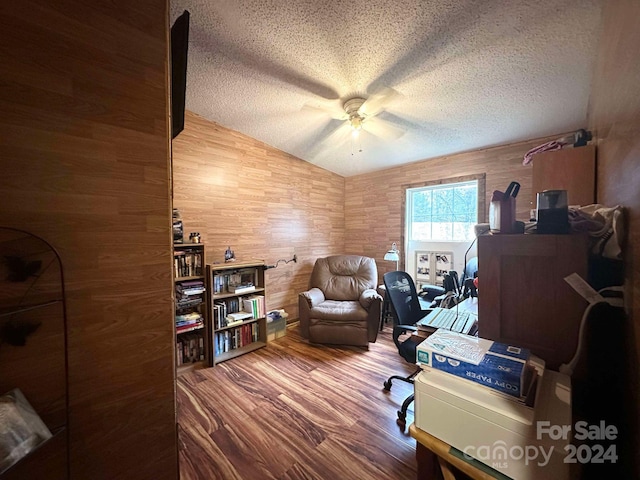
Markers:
{"x": 179, "y": 48}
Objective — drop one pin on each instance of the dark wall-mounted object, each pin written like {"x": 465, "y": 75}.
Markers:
{"x": 179, "y": 51}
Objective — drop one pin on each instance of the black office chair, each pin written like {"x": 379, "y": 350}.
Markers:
{"x": 406, "y": 309}
{"x": 469, "y": 274}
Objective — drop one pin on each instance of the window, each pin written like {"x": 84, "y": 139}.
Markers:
{"x": 444, "y": 212}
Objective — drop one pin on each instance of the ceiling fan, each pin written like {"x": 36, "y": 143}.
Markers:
{"x": 359, "y": 113}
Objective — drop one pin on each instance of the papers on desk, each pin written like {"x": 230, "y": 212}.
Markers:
{"x": 454, "y": 319}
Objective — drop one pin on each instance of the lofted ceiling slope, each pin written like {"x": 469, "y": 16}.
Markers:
{"x": 443, "y": 76}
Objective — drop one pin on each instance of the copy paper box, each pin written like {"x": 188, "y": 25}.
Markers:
{"x": 492, "y": 364}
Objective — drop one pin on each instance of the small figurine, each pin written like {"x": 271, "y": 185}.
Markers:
{"x": 229, "y": 256}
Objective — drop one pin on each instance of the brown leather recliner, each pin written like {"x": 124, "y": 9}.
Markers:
{"x": 341, "y": 306}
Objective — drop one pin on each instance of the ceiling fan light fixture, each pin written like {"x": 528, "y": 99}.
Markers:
{"x": 356, "y": 122}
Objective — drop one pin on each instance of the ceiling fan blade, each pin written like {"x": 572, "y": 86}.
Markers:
{"x": 383, "y": 129}
{"x": 334, "y": 111}
{"x": 378, "y": 102}
{"x": 332, "y": 141}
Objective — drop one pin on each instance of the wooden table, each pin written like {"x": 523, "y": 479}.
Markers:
{"x": 433, "y": 454}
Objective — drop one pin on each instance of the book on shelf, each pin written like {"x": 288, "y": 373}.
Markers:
{"x": 189, "y": 293}
{"x": 188, "y": 318}
{"x": 238, "y": 316}
{"x": 236, "y": 338}
{"x": 255, "y": 305}
{"x": 188, "y": 303}
{"x": 190, "y": 348}
{"x": 243, "y": 288}
{"x": 235, "y": 282}
{"x": 189, "y": 328}
{"x": 187, "y": 262}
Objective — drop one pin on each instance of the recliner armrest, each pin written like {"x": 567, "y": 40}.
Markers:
{"x": 368, "y": 297}
{"x": 314, "y": 297}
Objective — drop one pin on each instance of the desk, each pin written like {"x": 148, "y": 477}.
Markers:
{"x": 432, "y": 453}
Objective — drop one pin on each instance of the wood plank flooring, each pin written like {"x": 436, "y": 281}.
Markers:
{"x": 293, "y": 410}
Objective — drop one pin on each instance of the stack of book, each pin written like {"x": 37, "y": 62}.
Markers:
{"x": 507, "y": 369}
{"x": 189, "y": 293}
{"x": 237, "y": 318}
{"x": 189, "y": 322}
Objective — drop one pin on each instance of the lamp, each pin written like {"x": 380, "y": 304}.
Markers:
{"x": 393, "y": 255}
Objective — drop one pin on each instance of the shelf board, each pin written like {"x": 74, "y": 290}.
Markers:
{"x": 238, "y": 351}
{"x": 220, "y": 296}
{"x": 189, "y": 367}
{"x": 219, "y": 267}
{"x": 184, "y": 279}
{"x": 248, "y": 321}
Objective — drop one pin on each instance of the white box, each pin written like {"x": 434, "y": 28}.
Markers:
{"x": 493, "y": 428}
{"x": 493, "y": 364}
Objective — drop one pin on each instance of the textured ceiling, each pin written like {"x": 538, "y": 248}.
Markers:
{"x": 469, "y": 74}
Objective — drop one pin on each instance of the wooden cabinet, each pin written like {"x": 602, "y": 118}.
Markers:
{"x": 238, "y": 308}
{"x": 570, "y": 169}
{"x": 523, "y": 298}
{"x": 191, "y": 314}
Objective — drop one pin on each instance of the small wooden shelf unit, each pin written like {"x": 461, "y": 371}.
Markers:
{"x": 192, "y": 345}
{"x": 230, "y": 340}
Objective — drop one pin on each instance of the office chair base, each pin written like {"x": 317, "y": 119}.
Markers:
{"x": 388, "y": 383}
{"x": 402, "y": 413}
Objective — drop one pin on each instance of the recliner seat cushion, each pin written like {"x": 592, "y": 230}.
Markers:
{"x": 340, "y": 311}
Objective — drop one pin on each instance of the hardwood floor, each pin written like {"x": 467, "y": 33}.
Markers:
{"x": 293, "y": 410}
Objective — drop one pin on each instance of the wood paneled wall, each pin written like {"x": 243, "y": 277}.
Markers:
{"x": 258, "y": 200}
{"x": 615, "y": 118}
{"x": 85, "y": 165}
{"x": 374, "y": 201}
{"x": 267, "y": 204}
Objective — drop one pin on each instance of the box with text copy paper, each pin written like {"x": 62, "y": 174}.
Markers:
{"x": 492, "y": 364}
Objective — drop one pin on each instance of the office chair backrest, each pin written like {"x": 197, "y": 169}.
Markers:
{"x": 403, "y": 296}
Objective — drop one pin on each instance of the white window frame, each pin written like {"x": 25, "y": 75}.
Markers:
{"x": 455, "y": 248}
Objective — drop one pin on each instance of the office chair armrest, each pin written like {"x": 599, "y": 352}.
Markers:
{"x": 314, "y": 297}
{"x": 368, "y": 297}
{"x": 401, "y": 329}
{"x": 404, "y": 329}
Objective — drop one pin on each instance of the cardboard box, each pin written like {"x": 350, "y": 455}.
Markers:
{"x": 492, "y": 364}
{"x": 276, "y": 329}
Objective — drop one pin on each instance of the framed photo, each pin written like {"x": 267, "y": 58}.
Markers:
{"x": 423, "y": 266}
{"x": 432, "y": 266}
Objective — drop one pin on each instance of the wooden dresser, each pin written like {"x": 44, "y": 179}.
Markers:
{"x": 523, "y": 298}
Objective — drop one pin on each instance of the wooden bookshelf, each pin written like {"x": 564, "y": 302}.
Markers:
{"x": 191, "y": 313}
{"x": 232, "y": 340}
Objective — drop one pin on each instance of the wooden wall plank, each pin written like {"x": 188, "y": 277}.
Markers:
{"x": 279, "y": 205}
{"x": 614, "y": 116}
{"x": 85, "y": 165}
{"x": 374, "y": 201}
{"x": 262, "y": 202}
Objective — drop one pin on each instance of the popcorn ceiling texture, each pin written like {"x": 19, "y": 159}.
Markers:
{"x": 470, "y": 73}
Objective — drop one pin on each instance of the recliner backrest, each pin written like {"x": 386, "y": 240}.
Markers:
{"x": 344, "y": 277}
{"x": 403, "y": 296}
